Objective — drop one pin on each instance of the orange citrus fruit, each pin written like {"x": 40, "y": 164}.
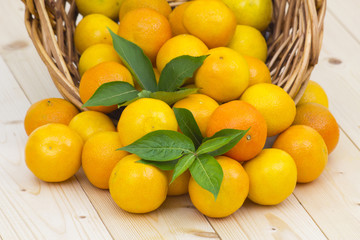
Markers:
{"x": 93, "y": 29}
{"x": 180, "y": 185}
{"x": 99, "y": 157}
{"x": 176, "y": 19}
{"x": 272, "y": 176}
{"x": 146, "y": 28}
{"x": 96, "y": 54}
{"x": 144, "y": 116}
{"x": 201, "y": 106}
{"x": 240, "y": 115}
{"x": 53, "y": 152}
{"x": 90, "y": 122}
{"x": 223, "y": 76}
{"x": 96, "y": 76}
{"x": 249, "y": 41}
{"x": 277, "y": 107}
{"x": 314, "y": 93}
{"x": 259, "y": 72}
{"x": 137, "y": 187}
{"x": 211, "y": 21}
{"x": 257, "y": 14}
{"x": 307, "y": 148}
{"x": 320, "y": 118}
{"x": 51, "y": 110}
{"x": 161, "y": 6}
{"x": 109, "y": 8}
{"x": 233, "y": 191}
{"x": 184, "y": 44}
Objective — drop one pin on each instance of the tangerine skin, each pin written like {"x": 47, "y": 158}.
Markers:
{"x": 233, "y": 191}
{"x": 242, "y": 116}
{"x": 143, "y": 116}
{"x": 53, "y": 152}
{"x": 137, "y": 187}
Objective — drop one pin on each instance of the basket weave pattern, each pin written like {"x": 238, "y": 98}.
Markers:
{"x": 294, "y": 41}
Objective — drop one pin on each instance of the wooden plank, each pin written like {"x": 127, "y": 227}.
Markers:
{"x": 12, "y": 17}
{"x": 30, "y": 208}
{"x": 33, "y": 76}
{"x": 338, "y": 73}
{"x": 175, "y": 219}
{"x": 288, "y": 220}
{"x": 20, "y": 55}
{"x": 346, "y": 12}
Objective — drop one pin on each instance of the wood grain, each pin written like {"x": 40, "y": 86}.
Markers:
{"x": 287, "y": 220}
{"x": 175, "y": 219}
{"x": 346, "y": 12}
{"x": 30, "y": 208}
{"x": 12, "y": 17}
{"x": 20, "y": 55}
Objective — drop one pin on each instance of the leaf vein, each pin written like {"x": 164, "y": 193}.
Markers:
{"x": 212, "y": 184}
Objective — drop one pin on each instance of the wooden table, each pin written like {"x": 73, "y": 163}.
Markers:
{"x": 31, "y": 209}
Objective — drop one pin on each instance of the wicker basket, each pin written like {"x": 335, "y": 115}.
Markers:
{"x": 294, "y": 41}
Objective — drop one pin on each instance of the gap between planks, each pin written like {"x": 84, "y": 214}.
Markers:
{"x": 311, "y": 217}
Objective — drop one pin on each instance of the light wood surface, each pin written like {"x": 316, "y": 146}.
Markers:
{"x": 328, "y": 208}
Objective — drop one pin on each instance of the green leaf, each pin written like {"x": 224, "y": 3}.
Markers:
{"x": 136, "y": 61}
{"x": 112, "y": 93}
{"x": 144, "y": 94}
{"x": 172, "y": 97}
{"x": 161, "y": 145}
{"x": 165, "y": 166}
{"x": 217, "y": 145}
{"x": 182, "y": 165}
{"x": 208, "y": 173}
{"x": 213, "y": 145}
{"x": 177, "y": 71}
{"x": 188, "y": 125}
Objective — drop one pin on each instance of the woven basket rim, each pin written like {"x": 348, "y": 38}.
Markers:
{"x": 294, "y": 43}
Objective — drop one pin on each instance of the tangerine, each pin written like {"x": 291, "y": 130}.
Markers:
{"x": 307, "y": 148}
{"x": 320, "y": 118}
{"x": 143, "y": 116}
{"x": 50, "y": 110}
{"x": 137, "y": 187}
{"x": 211, "y": 21}
{"x": 240, "y": 115}
{"x": 146, "y": 28}
{"x": 53, "y": 152}
{"x": 99, "y": 157}
{"x": 233, "y": 191}
{"x": 96, "y": 76}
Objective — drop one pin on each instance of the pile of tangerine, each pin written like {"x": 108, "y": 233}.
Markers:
{"x": 235, "y": 91}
